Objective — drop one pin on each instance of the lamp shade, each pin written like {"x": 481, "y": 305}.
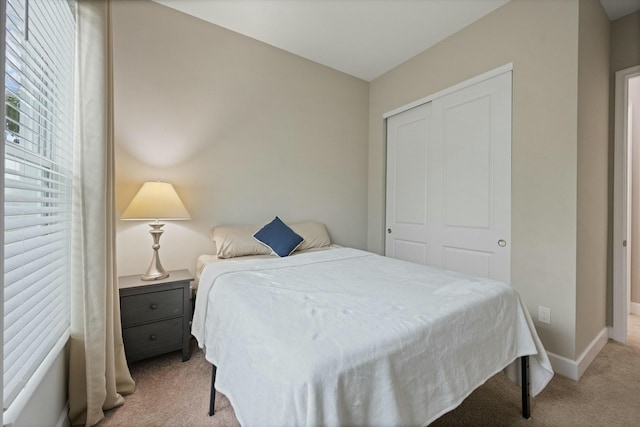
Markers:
{"x": 156, "y": 200}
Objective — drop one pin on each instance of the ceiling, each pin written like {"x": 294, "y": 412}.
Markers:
{"x": 363, "y": 38}
{"x": 619, "y": 8}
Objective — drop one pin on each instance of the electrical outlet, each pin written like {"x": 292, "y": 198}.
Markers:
{"x": 544, "y": 314}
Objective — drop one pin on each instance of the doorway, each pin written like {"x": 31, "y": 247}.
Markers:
{"x": 626, "y": 226}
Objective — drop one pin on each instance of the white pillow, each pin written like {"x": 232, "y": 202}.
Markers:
{"x": 237, "y": 240}
{"x": 314, "y": 233}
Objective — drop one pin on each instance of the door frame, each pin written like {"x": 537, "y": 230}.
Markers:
{"x": 621, "y": 238}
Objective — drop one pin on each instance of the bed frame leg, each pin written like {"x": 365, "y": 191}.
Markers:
{"x": 526, "y": 400}
{"x": 212, "y": 397}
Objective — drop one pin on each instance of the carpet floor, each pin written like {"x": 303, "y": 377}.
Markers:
{"x": 172, "y": 393}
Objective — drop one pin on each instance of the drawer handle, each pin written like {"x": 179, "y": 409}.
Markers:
{"x": 153, "y": 306}
{"x": 152, "y": 337}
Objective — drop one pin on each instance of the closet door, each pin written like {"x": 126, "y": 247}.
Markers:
{"x": 449, "y": 181}
{"x": 470, "y": 180}
{"x": 407, "y": 208}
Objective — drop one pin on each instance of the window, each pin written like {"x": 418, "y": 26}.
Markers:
{"x": 38, "y": 155}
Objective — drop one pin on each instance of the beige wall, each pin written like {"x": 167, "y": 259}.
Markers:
{"x": 541, "y": 39}
{"x": 625, "y": 42}
{"x": 243, "y": 130}
{"x": 593, "y": 132}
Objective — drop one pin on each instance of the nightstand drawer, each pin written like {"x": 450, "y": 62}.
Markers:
{"x": 147, "y": 307}
{"x": 146, "y": 340}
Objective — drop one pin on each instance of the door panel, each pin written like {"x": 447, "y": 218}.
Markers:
{"x": 410, "y": 251}
{"x": 476, "y": 263}
{"x": 407, "y": 204}
{"x": 470, "y": 179}
{"x": 410, "y": 189}
{"x": 467, "y": 169}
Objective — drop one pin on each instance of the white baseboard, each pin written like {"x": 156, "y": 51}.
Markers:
{"x": 563, "y": 366}
{"x": 573, "y": 369}
{"x": 635, "y": 308}
{"x": 63, "y": 419}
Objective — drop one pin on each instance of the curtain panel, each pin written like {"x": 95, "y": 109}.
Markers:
{"x": 98, "y": 373}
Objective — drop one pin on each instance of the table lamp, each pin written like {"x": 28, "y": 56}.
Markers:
{"x": 156, "y": 201}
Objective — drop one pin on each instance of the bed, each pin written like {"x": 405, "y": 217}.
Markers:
{"x": 341, "y": 336}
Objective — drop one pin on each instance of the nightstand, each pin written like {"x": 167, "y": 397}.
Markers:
{"x": 155, "y": 315}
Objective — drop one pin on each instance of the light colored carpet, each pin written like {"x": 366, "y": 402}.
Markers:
{"x": 172, "y": 393}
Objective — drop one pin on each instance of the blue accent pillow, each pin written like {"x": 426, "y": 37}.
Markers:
{"x": 278, "y": 237}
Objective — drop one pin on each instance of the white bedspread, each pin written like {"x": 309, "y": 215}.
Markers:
{"x": 346, "y": 337}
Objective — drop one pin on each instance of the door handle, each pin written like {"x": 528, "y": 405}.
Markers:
{"x": 388, "y": 230}
{"x": 502, "y": 243}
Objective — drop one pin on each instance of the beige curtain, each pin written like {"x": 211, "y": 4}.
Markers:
{"x": 98, "y": 373}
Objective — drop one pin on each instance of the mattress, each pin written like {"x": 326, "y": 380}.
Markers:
{"x": 346, "y": 337}
{"x": 206, "y": 259}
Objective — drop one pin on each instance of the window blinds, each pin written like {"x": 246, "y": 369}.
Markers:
{"x": 39, "y": 66}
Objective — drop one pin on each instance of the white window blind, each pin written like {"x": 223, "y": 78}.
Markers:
{"x": 39, "y": 66}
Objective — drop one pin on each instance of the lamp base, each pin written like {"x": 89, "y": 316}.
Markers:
{"x": 154, "y": 276}
{"x": 155, "y": 271}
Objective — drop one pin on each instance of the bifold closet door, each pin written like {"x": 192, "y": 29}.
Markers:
{"x": 466, "y": 180}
